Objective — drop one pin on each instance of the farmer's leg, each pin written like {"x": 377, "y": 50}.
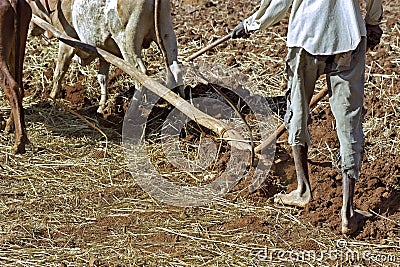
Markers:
{"x": 303, "y": 70}
{"x": 346, "y": 100}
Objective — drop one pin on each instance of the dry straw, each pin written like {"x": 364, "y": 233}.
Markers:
{"x": 72, "y": 200}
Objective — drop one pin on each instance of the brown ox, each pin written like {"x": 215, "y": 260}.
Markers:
{"x": 15, "y": 16}
{"x": 121, "y": 27}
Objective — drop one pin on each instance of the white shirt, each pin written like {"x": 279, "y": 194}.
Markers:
{"x": 321, "y": 27}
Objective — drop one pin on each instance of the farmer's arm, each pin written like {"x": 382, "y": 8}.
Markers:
{"x": 269, "y": 13}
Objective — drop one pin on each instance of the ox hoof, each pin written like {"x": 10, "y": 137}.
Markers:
{"x": 19, "y": 149}
{"x": 294, "y": 198}
{"x": 102, "y": 107}
{"x": 55, "y": 94}
{"x": 100, "y": 110}
{"x": 9, "y": 127}
{"x": 19, "y": 146}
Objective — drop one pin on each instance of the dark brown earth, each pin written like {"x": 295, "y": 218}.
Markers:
{"x": 378, "y": 187}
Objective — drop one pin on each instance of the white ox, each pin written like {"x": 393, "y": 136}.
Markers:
{"x": 121, "y": 27}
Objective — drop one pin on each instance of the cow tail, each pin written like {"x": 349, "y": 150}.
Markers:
{"x": 157, "y": 30}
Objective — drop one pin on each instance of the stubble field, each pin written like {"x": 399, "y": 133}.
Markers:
{"x": 72, "y": 200}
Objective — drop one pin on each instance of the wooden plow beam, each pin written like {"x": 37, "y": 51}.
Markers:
{"x": 220, "y": 128}
{"x": 281, "y": 129}
{"x": 223, "y": 130}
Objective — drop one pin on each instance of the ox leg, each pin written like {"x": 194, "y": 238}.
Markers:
{"x": 102, "y": 78}
{"x": 25, "y": 16}
{"x": 9, "y": 125}
{"x": 139, "y": 89}
{"x": 302, "y": 195}
{"x": 135, "y": 59}
{"x": 65, "y": 55}
{"x": 7, "y": 41}
{"x": 174, "y": 78}
{"x": 12, "y": 91}
{"x": 16, "y": 121}
{"x": 12, "y": 48}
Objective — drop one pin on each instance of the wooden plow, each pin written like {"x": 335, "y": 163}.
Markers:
{"x": 203, "y": 119}
{"x": 220, "y": 128}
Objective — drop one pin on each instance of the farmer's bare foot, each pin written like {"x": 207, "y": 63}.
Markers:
{"x": 354, "y": 223}
{"x": 294, "y": 198}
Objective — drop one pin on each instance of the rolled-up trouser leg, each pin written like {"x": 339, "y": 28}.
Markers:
{"x": 346, "y": 100}
{"x": 302, "y": 69}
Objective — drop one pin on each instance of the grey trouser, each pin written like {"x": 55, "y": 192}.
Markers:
{"x": 346, "y": 96}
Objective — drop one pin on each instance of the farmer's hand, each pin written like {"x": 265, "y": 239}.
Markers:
{"x": 240, "y": 32}
{"x": 374, "y": 34}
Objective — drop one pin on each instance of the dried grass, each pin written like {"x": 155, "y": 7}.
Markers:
{"x": 71, "y": 199}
